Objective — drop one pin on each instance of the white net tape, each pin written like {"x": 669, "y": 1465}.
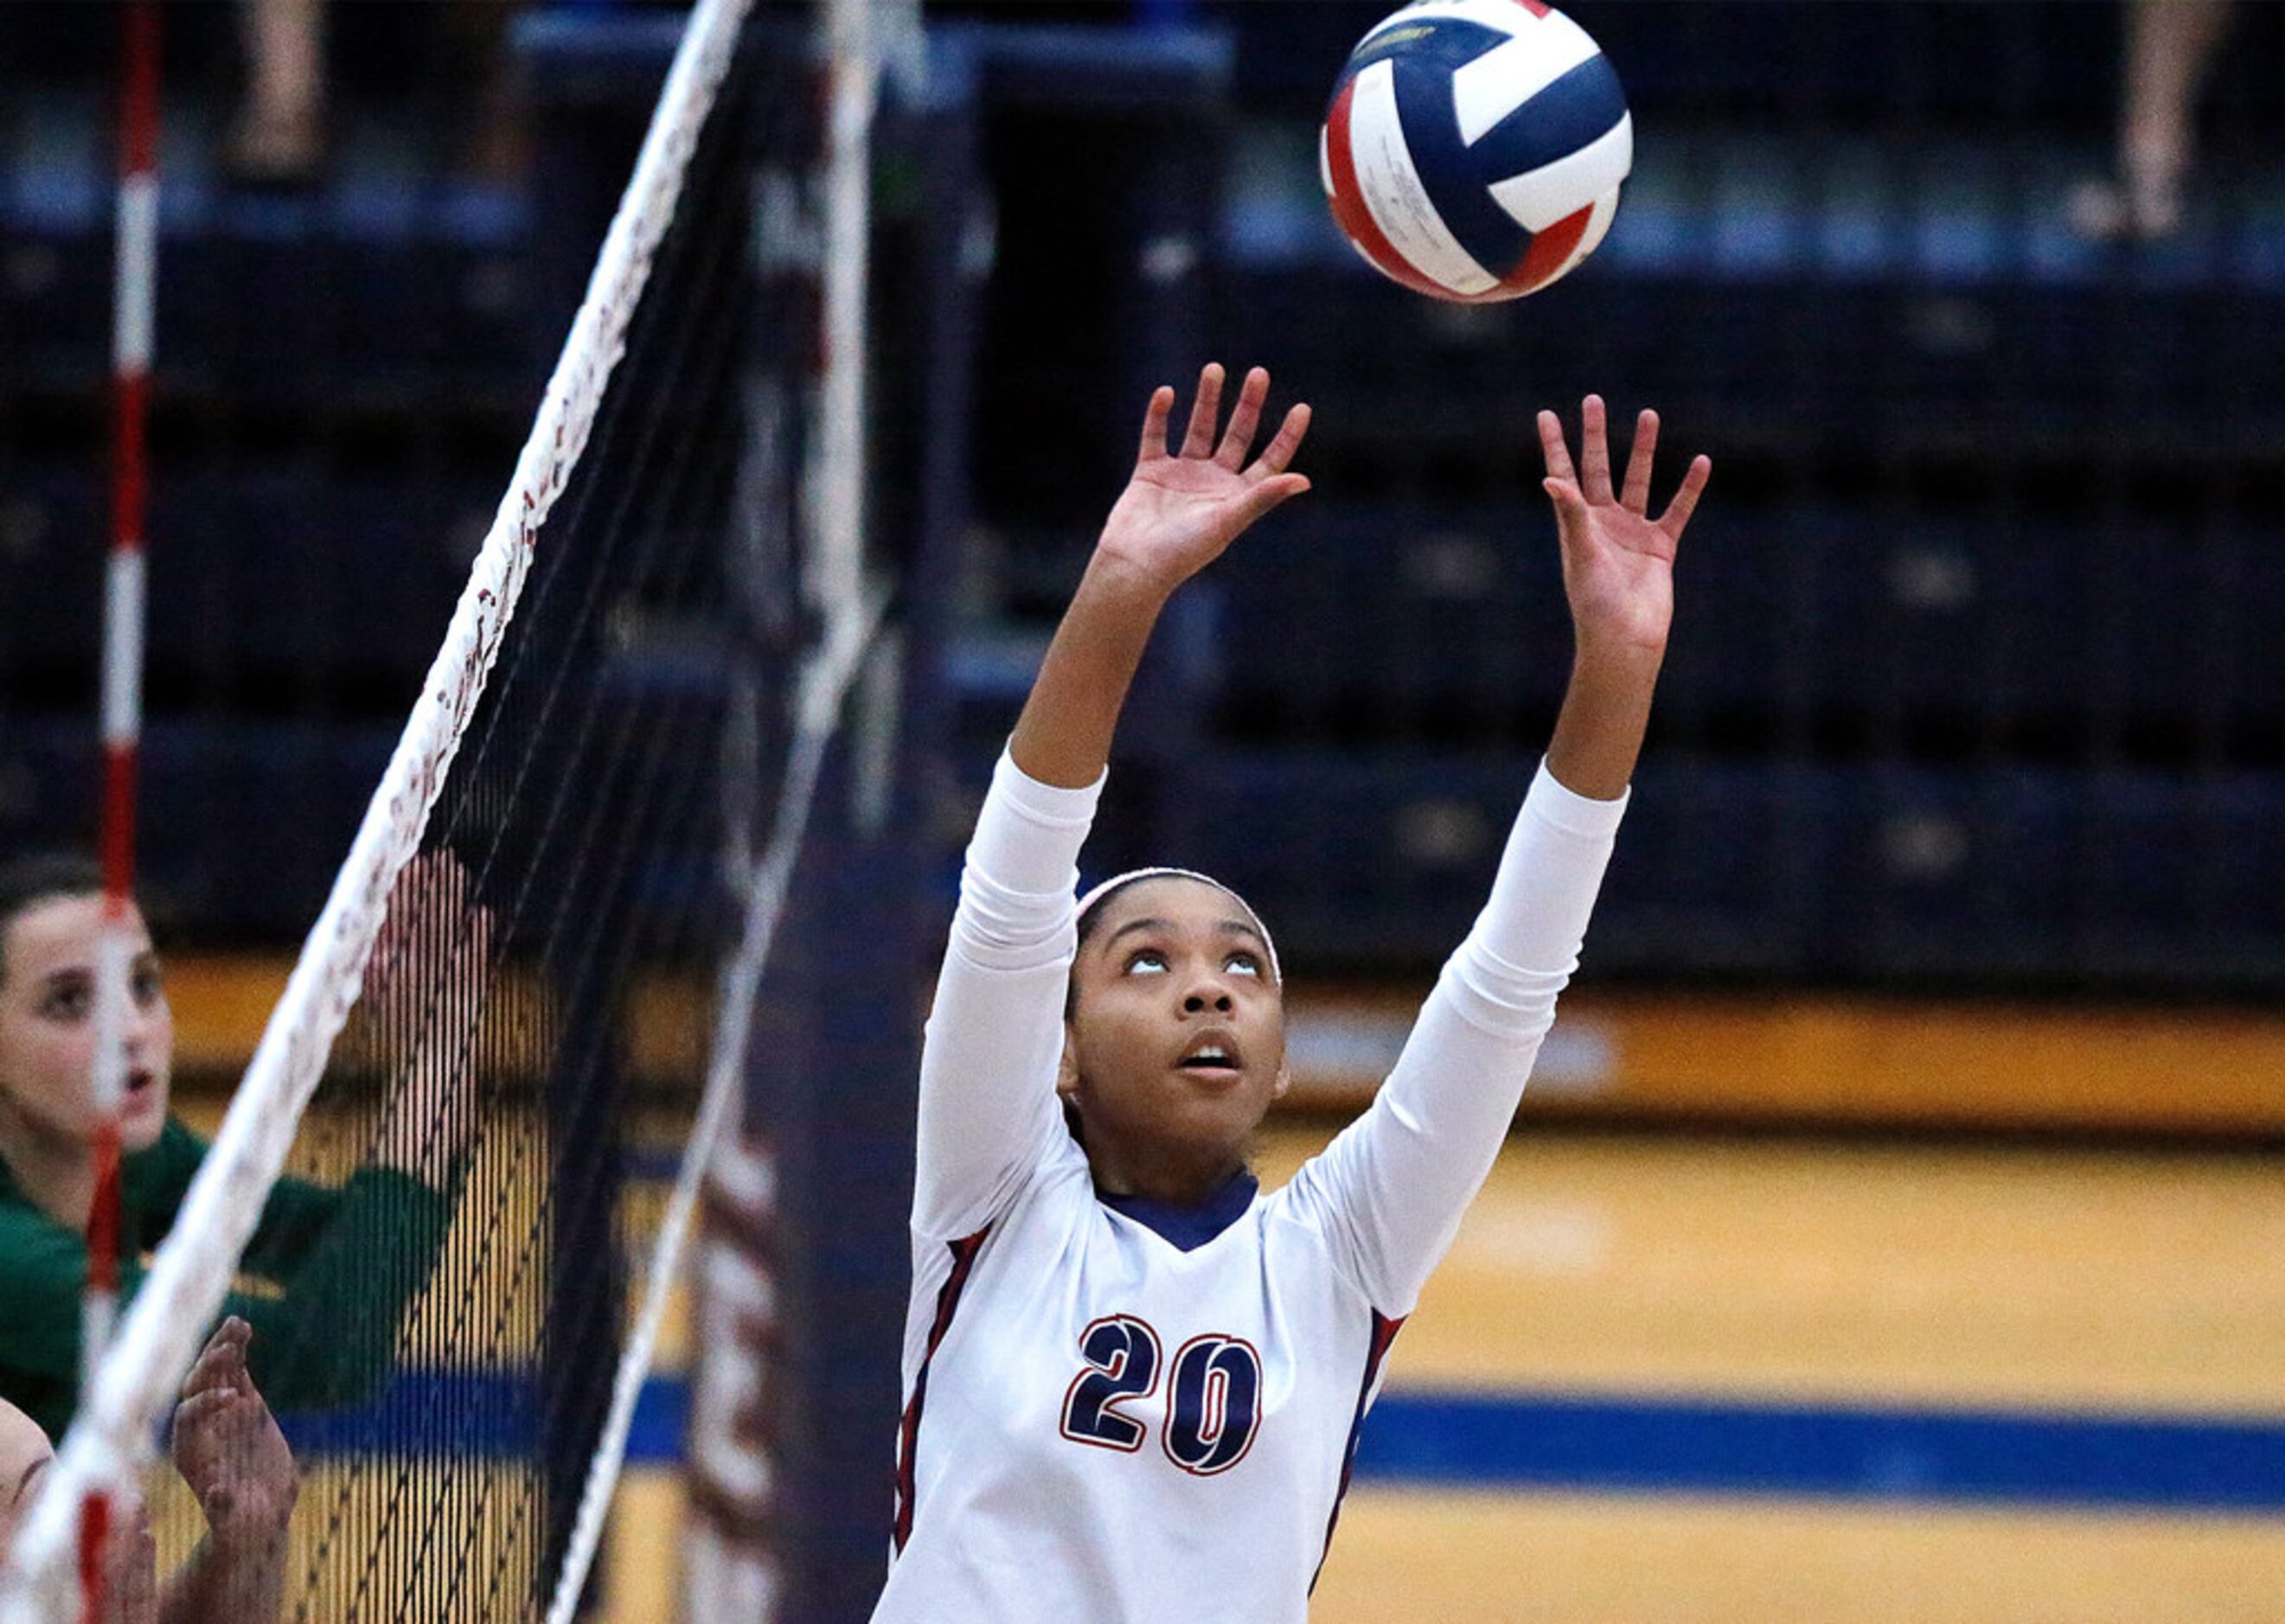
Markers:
{"x": 191, "y": 1272}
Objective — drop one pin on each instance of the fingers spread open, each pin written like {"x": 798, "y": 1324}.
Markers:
{"x": 1594, "y": 450}
{"x": 1271, "y": 492}
{"x": 1685, "y": 499}
{"x": 1570, "y": 506}
{"x": 1245, "y": 417}
{"x": 1639, "y": 458}
{"x": 1154, "y": 424}
{"x": 1553, "y": 450}
{"x": 1205, "y": 406}
{"x": 1278, "y": 454}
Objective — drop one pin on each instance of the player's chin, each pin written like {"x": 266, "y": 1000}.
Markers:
{"x": 1210, "y": 1080}
{"x": 142, "y": 1115}
{"x": 1220, "y": 1110}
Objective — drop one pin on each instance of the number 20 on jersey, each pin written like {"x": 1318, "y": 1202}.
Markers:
{"x": 1213, "y": 1404}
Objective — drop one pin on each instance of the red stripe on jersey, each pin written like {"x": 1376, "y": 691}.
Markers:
{"x": 1384, "y": 1333}
{"x": 1349, "y": 206}
{"x": 908, "y": 1431}
{"x": 1538, "y": 8}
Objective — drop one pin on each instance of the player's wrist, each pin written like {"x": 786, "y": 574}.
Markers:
{"x": 247, "y": 1525}
{"x": 1609, "y": 659}
{"x": 1120, "y": 581}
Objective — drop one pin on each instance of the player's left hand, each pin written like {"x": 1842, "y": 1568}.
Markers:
{"x": 229, "y": 1449}
{"x": 1618, "y": 562}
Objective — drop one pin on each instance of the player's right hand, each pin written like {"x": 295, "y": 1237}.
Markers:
{"x": 1181, "y": 508}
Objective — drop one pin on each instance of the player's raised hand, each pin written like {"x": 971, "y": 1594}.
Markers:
{"x": 1618, "y": 562}
{"x": 229, "y": 1449}
{"x": 1182, "y": 507}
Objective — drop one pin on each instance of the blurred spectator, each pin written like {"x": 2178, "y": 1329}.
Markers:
{"x": 2170, "y": 44}
{"x": 230, "y": 1452}
{"x": 278, "y": 138}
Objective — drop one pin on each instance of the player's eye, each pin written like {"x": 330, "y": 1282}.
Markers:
{"x": 69, "y": 1000}
{"x": 1148, "y": 961}
{"x": 149, "y": 984}
{"x": 1242, "y": 963}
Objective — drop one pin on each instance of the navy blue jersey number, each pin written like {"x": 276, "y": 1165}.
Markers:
{"x": 1122, "y": 1365}
{"x": 1213, "y": 1404}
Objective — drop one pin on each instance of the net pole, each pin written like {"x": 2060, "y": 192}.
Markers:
{"x": 134, "y": 302}
{"x": 825, "y": 680}
{"x": 835, "y": 558}
{"x": 191, "y": 1272}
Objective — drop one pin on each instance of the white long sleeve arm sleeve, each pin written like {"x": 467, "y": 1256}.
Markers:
{"x": 995, "y": 1031}
{"x": 1394, "y": 1184}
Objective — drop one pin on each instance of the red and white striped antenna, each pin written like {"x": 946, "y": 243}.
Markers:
{"x": 135, "y": 278}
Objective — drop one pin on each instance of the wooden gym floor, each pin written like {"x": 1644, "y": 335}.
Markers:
{"x": 2053, "y": 1282}
{"x": 1835, "y": 1282}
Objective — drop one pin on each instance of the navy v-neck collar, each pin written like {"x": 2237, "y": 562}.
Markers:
{"x": 1188, "y": 1228}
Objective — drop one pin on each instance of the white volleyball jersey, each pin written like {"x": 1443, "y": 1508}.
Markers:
{"x": 1117, "y": 1410}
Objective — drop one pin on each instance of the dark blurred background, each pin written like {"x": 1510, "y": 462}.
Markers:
{"x": 1975, "y": 685}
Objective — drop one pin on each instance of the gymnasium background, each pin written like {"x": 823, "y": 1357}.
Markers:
{"x": 1894, "y": 1229}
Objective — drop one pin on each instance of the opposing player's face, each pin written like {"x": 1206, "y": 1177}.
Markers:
{"x": 47, "y": 1025}
{"x": 1177, "y": 1035}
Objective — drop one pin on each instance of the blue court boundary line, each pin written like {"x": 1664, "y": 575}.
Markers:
{"x": 1676, "y": 1444}
{"x": 1512, "y": 1440}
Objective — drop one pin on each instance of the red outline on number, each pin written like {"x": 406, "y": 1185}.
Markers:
{"x": 1110, "y": 1406}
{"x": 1261, "y": 1382}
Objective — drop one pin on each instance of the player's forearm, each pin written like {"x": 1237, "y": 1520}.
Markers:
{"x": 1063, "y": 736}
{"x": 242, "y": 1580}
{"x": 1599, "y": 733}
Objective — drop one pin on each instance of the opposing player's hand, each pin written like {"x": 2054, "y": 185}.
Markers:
{"x": 229, "y": 1449}
{"x": 425, "y": 989}
{"x": 1618, "y": 562}
{"x": 1181, "y": 507}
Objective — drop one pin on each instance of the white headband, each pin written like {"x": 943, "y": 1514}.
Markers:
{"x": 1096, "y": 894}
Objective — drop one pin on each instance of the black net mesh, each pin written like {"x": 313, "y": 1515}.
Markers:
{"x": 483, "y": 1161}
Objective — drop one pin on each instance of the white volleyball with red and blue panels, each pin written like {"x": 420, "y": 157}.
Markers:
{"x": 1473, "y": 148}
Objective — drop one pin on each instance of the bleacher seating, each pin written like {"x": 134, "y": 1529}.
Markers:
{"x": 344, "y": 374}
{"x": 1972, "y": 681}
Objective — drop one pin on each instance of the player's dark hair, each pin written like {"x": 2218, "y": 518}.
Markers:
{"x": 1090, "y": 918}
{"x": 36, "y": 877}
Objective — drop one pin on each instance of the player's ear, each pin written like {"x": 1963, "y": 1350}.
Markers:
{"x": 1067, "y": 1068}
{"x": 1284, "y": 1081}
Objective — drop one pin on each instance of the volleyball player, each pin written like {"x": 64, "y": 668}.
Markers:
{"x": 227, "y": 1447}
{"x": 342, "y": 1262}
{"x": 1134, "y": 1381}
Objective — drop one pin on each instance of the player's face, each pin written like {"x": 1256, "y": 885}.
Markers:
{"x": 1177, "y": 1036}
{"x": 47, "y": 1025}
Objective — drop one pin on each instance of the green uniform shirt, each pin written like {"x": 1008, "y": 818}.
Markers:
{"x": 341, "y": 1265}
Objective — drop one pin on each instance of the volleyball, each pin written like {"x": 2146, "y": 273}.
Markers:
{"x": 1473, "y": 149}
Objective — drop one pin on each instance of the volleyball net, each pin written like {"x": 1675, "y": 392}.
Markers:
{"x": 455, "y": 1186}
